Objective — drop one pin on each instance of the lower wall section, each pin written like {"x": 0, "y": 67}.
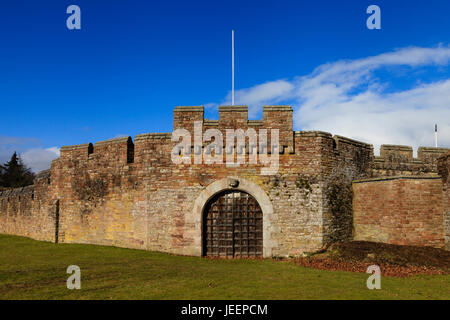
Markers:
{"x": 399, "y": 210}
{"x": 171, "y": 220}
{"x": 24, "y": 212}
{"x": 447, "y": 229}
{"x": 111, "y": 223}
{"x": 444, "y": 171}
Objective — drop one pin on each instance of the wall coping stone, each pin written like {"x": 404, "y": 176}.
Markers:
{"x": 76, "y": 147}
{"x": 396, "y": 147}
{"x": 17, "y": 191}
{"x": 433, "y": 150}
{"x": 209, "y": 122}
{"x": 313, "y": 134}
{"x": 255, "y": 123}
{"x": 444, "y": 156}
{"x": 338, "y": 139}
{"x": 277, "y": 108}
{"x": 189, "y": 109}
{"x": 434, "y": 177}
{"x": 43, "y": 174}
{"x": 146, "y": 136}
{"x": 112, "y": 141}
{"x": 233, "y": 108}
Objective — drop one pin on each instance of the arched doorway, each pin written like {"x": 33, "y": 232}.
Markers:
{"x": 233, "y": 225}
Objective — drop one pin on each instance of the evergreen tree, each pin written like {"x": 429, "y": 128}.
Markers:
{"x": 14, "y": 173}
{"x": 2, "y": 170}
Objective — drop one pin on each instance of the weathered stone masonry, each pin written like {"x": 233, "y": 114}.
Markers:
{"x": 29, "y": 211}
{"x": 444, "y": 171}
{"x": 130, "y": 194}
{"x": 409, "y": 207}
{"x": 403, "y": 210}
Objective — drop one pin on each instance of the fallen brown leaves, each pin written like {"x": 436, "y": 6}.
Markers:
{"x": 393, "y": 260}
{"x": 358, "y": 266}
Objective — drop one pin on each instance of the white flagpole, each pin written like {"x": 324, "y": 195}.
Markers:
{"x": 232, "y": 67}
{"x": 435, "y": 136}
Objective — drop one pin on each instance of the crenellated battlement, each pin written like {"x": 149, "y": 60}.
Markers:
{"x": 17, "y": 192}
{"x": 444, "y": 172}
{"x": 123, "y": 151}
{"x": 42, "y": 177}
{"x": 427, "y": 154}
{"x": 399, "y": 159}
{"x": 111, "y": 150}
{"x": 232, "y": 117}
{"x": 393, "y": 159}
{"x": 236, "y": 117}
{"x": 76, "y": 151}
{"x": 118, "y": 149}
{"x": 136, "y": 194}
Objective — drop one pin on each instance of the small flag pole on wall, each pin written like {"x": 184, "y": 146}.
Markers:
{"x": 435, "y": 136}
{"x": 232, "y": 67}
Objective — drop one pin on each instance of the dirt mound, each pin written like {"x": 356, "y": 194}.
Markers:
{"x": 394, "y": 260}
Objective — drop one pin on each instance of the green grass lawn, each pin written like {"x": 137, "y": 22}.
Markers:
{"x": 32, "y": 269}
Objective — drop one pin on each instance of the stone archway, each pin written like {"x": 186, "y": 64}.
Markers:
{"x": 196, "y": 216}
{"x": 232, "y": 226}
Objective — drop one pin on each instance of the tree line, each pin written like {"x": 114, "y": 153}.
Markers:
{"x": 15, "y": 174}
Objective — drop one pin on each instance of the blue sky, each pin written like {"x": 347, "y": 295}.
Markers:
{"x": 133, "y": 61}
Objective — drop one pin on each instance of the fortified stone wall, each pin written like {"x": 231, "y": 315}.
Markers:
{"x": 106, "y": 198}
{"x": 399, "y": 210}
{"x": 408, "y": 202}
{"x": 444, "y": 171}
{"x": 395, "y": 160}
{"x": 131, "y": 194}
{"x": 96, "y": 185}
{"x": 28, "y": 212}
{"x": 344, "y": 161}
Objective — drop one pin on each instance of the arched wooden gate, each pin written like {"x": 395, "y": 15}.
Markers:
{"x": 233, "y": 226}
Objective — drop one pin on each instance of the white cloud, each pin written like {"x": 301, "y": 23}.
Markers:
{"x": 269, "y": 92}
{"x": 406, "y": 117}
{"x": 39, "y": 159}
{"x": 36, "y": 158}
{"x": 346, "y": 98}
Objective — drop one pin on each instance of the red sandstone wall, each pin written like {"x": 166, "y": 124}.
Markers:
{"x": 144, "y": 204}
{"x": 127, "y": 194}
{"x": 395, "y": 160}
{"x": 405, "y": 211}
{"x": 344, "y": 160}
{"x": 444, "y": 171}
{"x": 28, "y": 212}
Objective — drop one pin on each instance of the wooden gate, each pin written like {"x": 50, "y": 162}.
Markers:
{"x": 233, "y": 226}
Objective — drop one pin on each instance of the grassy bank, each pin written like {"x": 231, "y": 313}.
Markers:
{"x": 37, "y": 270}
